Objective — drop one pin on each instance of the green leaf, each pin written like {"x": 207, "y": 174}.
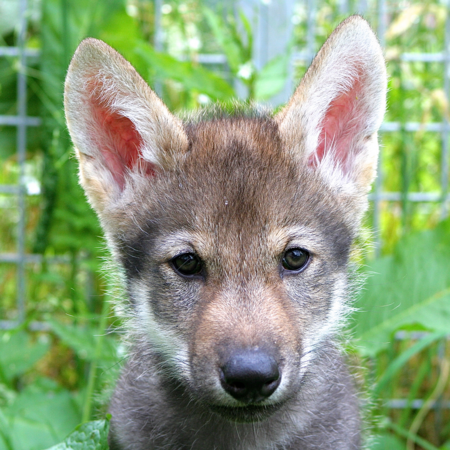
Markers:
{"x": 88, "y": 436}
{"x": 41, "y": 415}
{"x": 82, "y": 339}
{"x": 18, "y": 354}
{"x": 386, "y": 441}
{"x": 120, "y": 25}
{"x": 404, "y": 357}
{"x": 226, "y": 39}
{"x": 249, "y": 33}
{"x": 191, "y": 76}
{"x": 272, "y": 77}
{"x": 5, "y": 433}
{"x": 161, "y": 65}
{"x": 407, "y": 434}
{"x": 407, "y": 290}
{"x": 18, "y": 433}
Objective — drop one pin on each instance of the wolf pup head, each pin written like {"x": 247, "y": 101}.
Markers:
{"x": 233, "y": 231}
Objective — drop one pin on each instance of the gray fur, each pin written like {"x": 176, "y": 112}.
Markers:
{"x": 323, "y": 416}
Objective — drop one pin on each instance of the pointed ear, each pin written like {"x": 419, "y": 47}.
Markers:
{"x": 331, "y": 121}
{"x": 117, "y": 123}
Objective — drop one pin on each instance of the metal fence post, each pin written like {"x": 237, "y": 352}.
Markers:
{"x": 21, "y": 155}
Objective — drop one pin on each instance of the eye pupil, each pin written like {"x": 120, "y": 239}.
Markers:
{"x": 295, "y": 259}
{"x": 187, "y": 264}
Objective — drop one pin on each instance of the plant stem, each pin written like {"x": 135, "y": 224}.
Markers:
{"x": 87, "y": 409}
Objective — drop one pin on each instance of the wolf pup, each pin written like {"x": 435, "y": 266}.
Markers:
{"x": 233, "y": 233}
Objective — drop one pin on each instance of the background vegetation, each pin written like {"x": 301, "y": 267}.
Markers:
{"x": 53, "y": 379}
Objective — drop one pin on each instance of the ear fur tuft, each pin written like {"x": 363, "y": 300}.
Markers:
{"x": 331, "y": 121}
{"x": 117, "y": 123}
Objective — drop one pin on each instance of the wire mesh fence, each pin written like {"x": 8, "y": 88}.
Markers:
{"x": 21, "y": 121}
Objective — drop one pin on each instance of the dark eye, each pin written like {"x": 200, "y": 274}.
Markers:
{"x": 187, "y": 264}
{"x": 295, "y": 259}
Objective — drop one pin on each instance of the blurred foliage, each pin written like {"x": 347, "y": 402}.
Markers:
{"x": 89, "y": 436}
{"x": 406, "y": 290}
{"x": 235, "y": 38}
{"x": 52, "y": 380}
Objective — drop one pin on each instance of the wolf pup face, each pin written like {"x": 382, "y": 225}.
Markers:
{"x": 234, "y": 233}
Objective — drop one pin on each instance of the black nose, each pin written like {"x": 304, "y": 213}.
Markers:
{"x": 250, "y": 376}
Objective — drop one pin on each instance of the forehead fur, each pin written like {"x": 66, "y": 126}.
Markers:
{"x": 239, "y": 165}
{"x": 236, "y": 187}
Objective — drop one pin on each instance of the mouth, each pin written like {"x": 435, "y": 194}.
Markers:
{"x": 246, "y": 414}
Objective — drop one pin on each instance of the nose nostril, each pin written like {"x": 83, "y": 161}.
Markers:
{"x": 237, "y": 385}
{"x": 250, "y": 376}
{"x": 269, "y": 388}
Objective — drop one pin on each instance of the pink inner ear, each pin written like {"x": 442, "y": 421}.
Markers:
{"x": 119, "y": 143}
{"x": 340, "y": 126}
